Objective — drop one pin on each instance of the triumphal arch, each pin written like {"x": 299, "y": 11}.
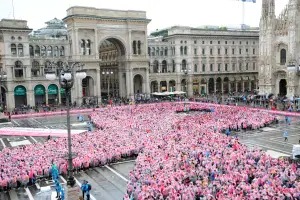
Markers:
{"x": 113, "y": 46}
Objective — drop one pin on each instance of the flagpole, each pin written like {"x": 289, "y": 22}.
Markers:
{"x": 13, "y": 8}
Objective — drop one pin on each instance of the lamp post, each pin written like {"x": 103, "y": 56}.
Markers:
{"x": 66, "y": 81}
{"x": 187, "y": 71}
{"x": 108, "y": 73}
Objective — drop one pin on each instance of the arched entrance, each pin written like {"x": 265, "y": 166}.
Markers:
{"x": 203, "y": 89}
{"x": 282, "y": 87}
{"x": 154, "y": 86}
{"x": 112, "y": 55}
{"x": 20, "y": 96}
{"x": 226, "y": 85}
{"x": 88, "y": 87}
{"x": 196, "y": 86}
{"x": 219, "y": 85}
{"x": 172, "y": 86}
{"x": 39, "y": 95}
{"x": 63, "y": 96}
{"x": 3, "y": 100}
{"x": 138, "y": 84}
{"x": 184, "y": 85}
{"x": 52, "y": 94}
{"x": 163, "y": 86}
{"x": 211, "y": 85}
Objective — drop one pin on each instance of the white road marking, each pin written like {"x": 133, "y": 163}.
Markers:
{"x": 14, "y": 121}
{"x": 79, "y": 184}
{"x": 2, "y": 142}
{"x": 36, "y": 121}
{"x": 119, "y": 175}
{"x": 29, "y": 194}
{"x": 38, "y": 186}
{"x": 267, "y": 147}
{"x": 63, "y": 179}
{"x": 127, "y": 161}
{"x": 34, "y": 139}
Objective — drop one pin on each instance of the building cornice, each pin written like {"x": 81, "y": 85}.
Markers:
{"x": 106, "y": 18}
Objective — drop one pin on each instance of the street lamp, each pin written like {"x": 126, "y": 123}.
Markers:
{"x": 108, "y": 73}
{"x": 66, "y": 81}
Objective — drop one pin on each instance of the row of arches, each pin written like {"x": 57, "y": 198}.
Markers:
{"x": 205, "y": 85}
{"x": 49, "y": 51}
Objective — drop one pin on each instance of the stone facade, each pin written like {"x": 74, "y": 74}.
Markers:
{"x": 200, "y": 60}
{"x": 279, "y": 49}
{"x": 120, "y": 59}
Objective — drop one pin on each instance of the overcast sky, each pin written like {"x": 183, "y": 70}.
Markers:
{"x": 164, "y": 13}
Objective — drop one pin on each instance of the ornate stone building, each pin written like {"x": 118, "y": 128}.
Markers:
{"x": 198, "y": 60}
{"x": 120, "y": 59}
{"x": 279, "y": 49}
{"x": 111, "y": 43}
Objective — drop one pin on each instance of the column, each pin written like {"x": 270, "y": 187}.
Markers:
{"x": 250, "y": 85}
{"x": 190, "y": 86}
{"x": 229, "y": 86}
{"x": 236, "y": 86}
{"x": 59, "y": 96}
{"x": 178, "y": 86}
{"x": 129, "y": 43}
{"x": 243, "y": 86}
{"x": 128, "y": 84}
{"x": 98, "y": 86}
{"x": 159, "y": 86}
{"x": 147, "y": 87}
{"x": 222, "y": 87}
{"x": 30, "y": 99}
{"x": 215, "y": 86}
{"x": 96, "y": 45}
{"x": 46, "y": 93}
{"x": 10, "y": 100}
{"x": 168, "y": 87}
{"x": 131, "y": 84}
{"x": 75, "y": 43}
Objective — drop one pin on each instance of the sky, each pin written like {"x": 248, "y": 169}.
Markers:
{"x": 163, "y": 13}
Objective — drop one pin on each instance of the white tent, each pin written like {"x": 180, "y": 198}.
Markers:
{"x": 179, "y": 92}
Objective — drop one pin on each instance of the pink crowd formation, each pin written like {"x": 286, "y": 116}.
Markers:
{"x": 180, "y": 156}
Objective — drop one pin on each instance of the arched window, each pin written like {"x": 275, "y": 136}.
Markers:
{"x": 195, "y": 68}
{"x": 43, "y": 51}
{"x": 49, "y": 51}
{"x": 18, "y": 69}
{"x": 62, "y": 51}
{"x": 166, "y": 51}
{"x": 203, "y": 67}
{"x": 37, "y": 51}
{"x": 18, "y": 64}
{"x": 226, "y": 67}
{"x": 139, "y": 48}
{"x": 282, "y": 56}
{"x": 153, "y": 51}
{"x": 20, "y": 50}
{"x": 155, "y": 66}
{"x": 59, "y": 67}
{"x": 134, "y": 47}
{"x": 13, "y": 49}
{"x": 183, "y": 65}
{"x": 149, "y": 51}
{"x": 56, "y": 53}
{"x": 185, "y": 50}
{"x": 161, "y": 51}
{"x": 35, "y": 69}
{"x": 164, "y": 66}
{"x": 174, "y": 66}
{"x": 31, "y": 51}
{"x": 82, "y": 46}
{"x": 88, "y": 47}
{"x": 181, "y": 50}
{"x": 47, "y": 66}
{"x": 157, "y": 51}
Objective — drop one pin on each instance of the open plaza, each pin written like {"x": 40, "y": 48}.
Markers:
{"x": 174, "y": 150}
{"x": 95, "y": 107}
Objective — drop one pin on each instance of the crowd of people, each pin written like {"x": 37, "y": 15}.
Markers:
{"x": 180, "y": 156}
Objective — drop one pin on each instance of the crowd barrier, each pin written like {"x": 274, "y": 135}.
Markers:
{"x": 77, "y": 111}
